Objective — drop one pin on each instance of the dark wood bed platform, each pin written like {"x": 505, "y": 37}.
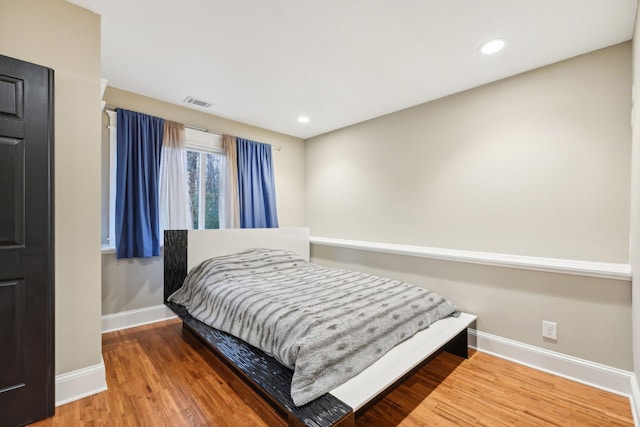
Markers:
{"x": 270, "y": 379}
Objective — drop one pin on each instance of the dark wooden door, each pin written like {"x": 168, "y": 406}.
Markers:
{"x": 26, "y": 242}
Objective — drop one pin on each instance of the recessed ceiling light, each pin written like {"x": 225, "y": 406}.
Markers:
{"x": 492, "y": 46}
{"x": 303, "y": 119}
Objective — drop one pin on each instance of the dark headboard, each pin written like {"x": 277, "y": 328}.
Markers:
{"x": 175, "y": 260}
{"x": 205, "y": 244}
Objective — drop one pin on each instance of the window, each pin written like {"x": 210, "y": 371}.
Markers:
{"x": 205, "y": 162}
{"x": 204, "y": 166}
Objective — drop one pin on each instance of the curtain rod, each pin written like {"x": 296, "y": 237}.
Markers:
{"x": 273, "y": 147}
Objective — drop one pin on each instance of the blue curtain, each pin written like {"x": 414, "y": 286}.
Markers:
{"x": 138, "y": 163}
{"x": 256, "y": 188}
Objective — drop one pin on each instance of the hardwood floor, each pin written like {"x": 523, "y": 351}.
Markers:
{"x": 159, "y": 376}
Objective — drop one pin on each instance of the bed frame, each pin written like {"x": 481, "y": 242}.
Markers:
{"x": 185, "y": 249}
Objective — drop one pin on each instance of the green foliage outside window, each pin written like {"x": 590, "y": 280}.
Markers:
{"x": 212, "y": 178}
{"x": 212, "y": 166}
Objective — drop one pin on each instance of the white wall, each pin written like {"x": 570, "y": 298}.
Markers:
{"x": 537, "y": 164}
{"x": 66, "y": 38}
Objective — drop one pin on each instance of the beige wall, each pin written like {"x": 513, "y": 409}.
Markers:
{"x": 536, "y": 164}
{"x": 66, "y": 38}
{"x": 134, "y": 284}
{"x": 635, "y": 199}
{"x": 131, "y": 284}
{"x": 593, "y": 315}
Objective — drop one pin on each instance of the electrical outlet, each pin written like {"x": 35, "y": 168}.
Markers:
{"x": 549, "y": 330}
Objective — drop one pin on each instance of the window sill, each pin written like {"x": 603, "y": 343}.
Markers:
{"x": 106, "y": 249}
{"x": 604, "y": 270}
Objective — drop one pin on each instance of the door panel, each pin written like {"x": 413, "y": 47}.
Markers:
{"x": 12, "y": 334}
{"x": 11, "y": 192}
{"x": 11, "y": 96}
{"x": 26, "y": 243}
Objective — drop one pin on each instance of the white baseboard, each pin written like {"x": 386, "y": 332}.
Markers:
{"x": 81, "y": 383}
{"x": 91, "y": 380}
{"x": 142, "y": 316}
{"x": 583, "y": 371}
{"x": 600, "y": 376}
{"x": 635, "y": 400}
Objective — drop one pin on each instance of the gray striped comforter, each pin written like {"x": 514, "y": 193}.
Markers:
{"x": 326, "y": 324}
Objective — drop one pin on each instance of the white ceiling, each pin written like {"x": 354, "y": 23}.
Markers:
{"x": 340, "y": 62}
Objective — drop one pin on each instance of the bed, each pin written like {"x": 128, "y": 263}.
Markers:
{"x": 184, "y": 250}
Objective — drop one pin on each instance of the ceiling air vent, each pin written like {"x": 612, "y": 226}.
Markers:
{"x": 196, "y": 101}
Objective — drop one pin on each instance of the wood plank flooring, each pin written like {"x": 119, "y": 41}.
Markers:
{"x": 159, "y": 375}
